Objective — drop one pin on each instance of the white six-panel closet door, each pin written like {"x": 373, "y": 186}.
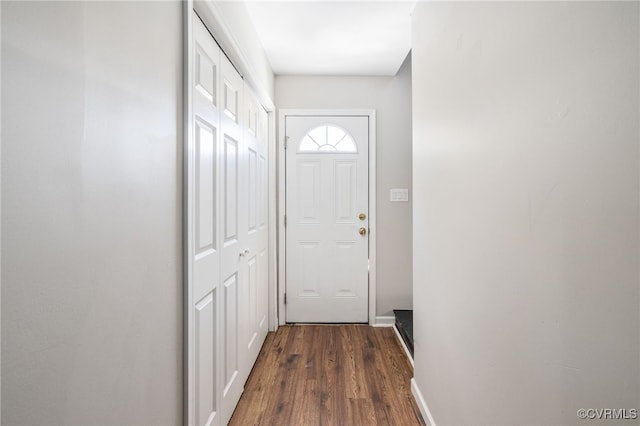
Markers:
{"x": 255, "y": 295}
{"x": 233, "y": 240}
{"x": 226, "y": 232}
{"x": 202, "y": 228}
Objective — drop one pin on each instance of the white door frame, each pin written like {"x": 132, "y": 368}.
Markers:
{"x": 283, "y": 113}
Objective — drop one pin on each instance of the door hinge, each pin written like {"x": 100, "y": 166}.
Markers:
{"x": 285, "y": 220}
{"x": 286, "y": 140}
{"x": 285, "y": 298}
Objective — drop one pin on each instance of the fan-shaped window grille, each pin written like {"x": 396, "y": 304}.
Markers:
{"x": 327, "y": 138}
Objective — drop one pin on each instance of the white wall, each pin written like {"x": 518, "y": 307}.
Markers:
{"x": 526, "y": 210}
{"x": 91, "y": 213}
{"x": 391, "y": 98}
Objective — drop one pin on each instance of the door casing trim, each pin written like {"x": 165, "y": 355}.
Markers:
{"x": 373, "y": 230}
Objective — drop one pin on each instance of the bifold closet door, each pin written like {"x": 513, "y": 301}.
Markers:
{"x": 216, "y": 178}
{"x": 204, "y": 254}
{"x": 254, "y": 295}
{"x": 233, "y": 244}
{"x": 226, "y": 232}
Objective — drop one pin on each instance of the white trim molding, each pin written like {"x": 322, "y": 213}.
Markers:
{"x": 422, "y": 405}
{"x": 188, "y": 400}
{"x": 404, "y": 346}
{"x": 273, "y": 224}
{"x": 384, "y": 321}
{"x": 373, "y": 231}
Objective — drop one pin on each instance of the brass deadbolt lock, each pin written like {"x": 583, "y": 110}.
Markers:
{"x": 362, "y": 216}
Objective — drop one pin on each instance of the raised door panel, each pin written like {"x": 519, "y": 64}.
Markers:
{"x": 230, "y": 90}
{"x": 252, "y": 190}
{"x": 263, "y": 294}
{"x": 344, "y": 191}
{"x": 307, "y": 276}
{"x": 230, "y": 188}
{"x": 308, "y": 196}
{"x": 205, "y": 256}
{"x": 263, "y": 126}
{"x": 252, "y": 301}
{"x": 205, "y": 357}
{"x": 344, "y": 256}
{"x": 261, "y": 192}
{"x": 252, "y": 114}
{"x": 206, "y": 73}
{"x": 205, "y": 188}
{"x": 230, "y": 364}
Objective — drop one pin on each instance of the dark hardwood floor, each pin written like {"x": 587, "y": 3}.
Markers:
{"x": 329, "y": 375}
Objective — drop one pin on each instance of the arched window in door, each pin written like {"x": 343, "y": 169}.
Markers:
{"x": 327, "y": 138}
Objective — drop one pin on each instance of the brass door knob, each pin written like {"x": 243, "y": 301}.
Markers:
{"x": 362, "y": 231}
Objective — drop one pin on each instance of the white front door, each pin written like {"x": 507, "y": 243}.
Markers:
{"x": 327, "y": 214}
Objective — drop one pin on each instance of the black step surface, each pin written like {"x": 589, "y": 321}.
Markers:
{"x": 404, "y": 324}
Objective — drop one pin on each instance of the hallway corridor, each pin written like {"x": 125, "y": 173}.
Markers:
{"x": 329, "y": 375}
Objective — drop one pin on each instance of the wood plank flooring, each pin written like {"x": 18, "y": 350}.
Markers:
{"x": 329, "y": 375}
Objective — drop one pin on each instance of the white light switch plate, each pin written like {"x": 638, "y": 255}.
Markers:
{"x": 399, "y": 195}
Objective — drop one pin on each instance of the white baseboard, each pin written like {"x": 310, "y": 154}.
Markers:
{"x": 404, "y": 346}
{"x": 422, "y": 405}
{"x": 384, "y": 321}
